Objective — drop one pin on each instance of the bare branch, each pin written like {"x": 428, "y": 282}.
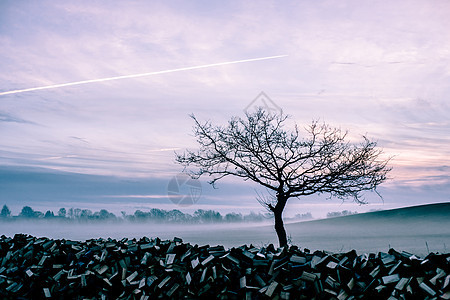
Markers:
{"x": 287, "y": 163}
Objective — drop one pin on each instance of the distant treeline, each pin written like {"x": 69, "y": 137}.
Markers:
{"x": 153, "y": 215}
{"x": 343, "y": 213}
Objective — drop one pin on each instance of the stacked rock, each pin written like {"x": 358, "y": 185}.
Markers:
{"x": 42, "y": 268}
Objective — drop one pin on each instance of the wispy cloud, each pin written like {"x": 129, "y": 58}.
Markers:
{"x": 57, "y": 157}
{"x": 138, "y": 196}
{"x": 6, "y": 117}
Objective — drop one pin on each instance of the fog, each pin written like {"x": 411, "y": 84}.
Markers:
{"x": 418, "y": 238}
{"x": 417, "y": 235}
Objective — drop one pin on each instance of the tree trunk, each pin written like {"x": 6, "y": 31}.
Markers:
{"x": 279, "y": 225}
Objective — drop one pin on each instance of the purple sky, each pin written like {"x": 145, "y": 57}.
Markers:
{"x": 375, "y": 68}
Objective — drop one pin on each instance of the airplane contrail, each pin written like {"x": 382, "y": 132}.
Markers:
{"x": 53, "y": 86}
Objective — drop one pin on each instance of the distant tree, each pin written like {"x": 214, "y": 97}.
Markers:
{"x": 62, "y": 212}
{"x": 77, "y": 213}
{"x": 49, "y": 214}
{"x": 176, "y": 215}
{"x": 103, "y": 214}
{"x": 348, "y": 212}
{"x": 85, "y": 214}
{"x": 233, "y": 217}
{"x": 158, "y": 214}
{"x": 335, "y": 214}
{"x": 130, "y": 218}
{"x": 207, "y": 216}
{"x": 254, "y": 217}
{"x": 5, "y": 213}
{"x": 27, "y": 212}
{"x": 305, "y": 216}
{"x": 38, "y": 214}
{"x": 140, "y": 215}
{"x": 287, "y": 164}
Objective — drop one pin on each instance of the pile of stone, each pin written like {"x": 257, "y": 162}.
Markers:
{"x": 42, "y": 268}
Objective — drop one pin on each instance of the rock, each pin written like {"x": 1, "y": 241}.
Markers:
{"x": 42, "y": 268}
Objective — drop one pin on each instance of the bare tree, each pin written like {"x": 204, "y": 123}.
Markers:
{"x": 287, "y": 164}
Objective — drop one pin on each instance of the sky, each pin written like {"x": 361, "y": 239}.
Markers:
{"x": 376, "y": 68}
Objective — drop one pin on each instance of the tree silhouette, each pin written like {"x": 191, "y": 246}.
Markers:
{"x": 27, "y": 212}
{"x": 287, "y": 164}
{"x": 62, "y": 212}
{"x": 49, "y": 214}
{"x": 5, "y": 213}
{"x": 103, "y": 214}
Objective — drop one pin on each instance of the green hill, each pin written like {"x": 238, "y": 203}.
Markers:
{"x": 417, "y": 229}
{"x": 438, "y": 212}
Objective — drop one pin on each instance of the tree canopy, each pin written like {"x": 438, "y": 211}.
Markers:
{"x": 5, "y": 212}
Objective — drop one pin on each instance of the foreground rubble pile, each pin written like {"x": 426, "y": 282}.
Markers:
{"x": 41, "y": 268}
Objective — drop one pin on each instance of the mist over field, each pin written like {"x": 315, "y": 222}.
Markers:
{"x": 418, "y": 230}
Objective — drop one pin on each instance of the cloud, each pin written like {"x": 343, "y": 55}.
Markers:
{"x": 375, "y": 68}
{"x": 138, "y": 196}
{"x": 6, "y": 117}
